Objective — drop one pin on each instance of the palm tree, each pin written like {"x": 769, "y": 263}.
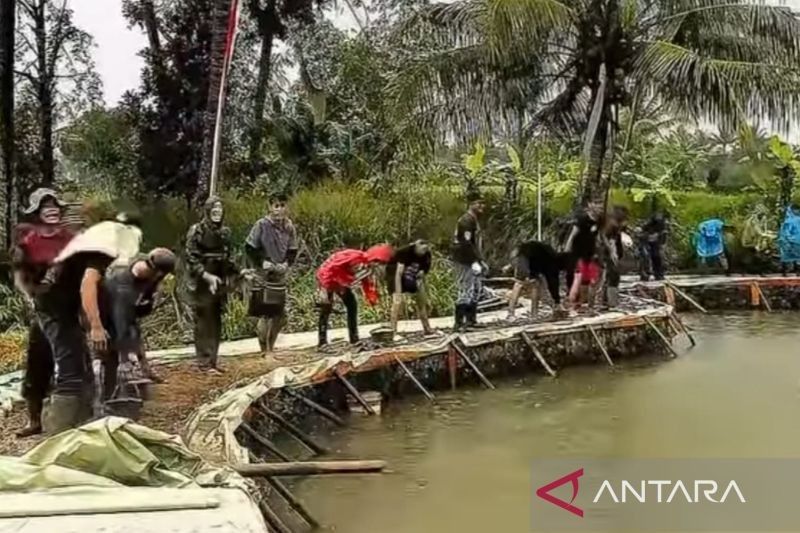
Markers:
{"x": 569, "y": 67}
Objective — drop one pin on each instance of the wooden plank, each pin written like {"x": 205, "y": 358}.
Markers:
{"x": 763, "y": 298}
{"x": 265, "y": 442}
{"x": 600, "y": 344}
{"x": 452, "y": 365}
{"x": 416, "y": 382}
{"x": 292, "y": 429}
{"x": 537, "y": 353}
{"x": 473, "y": 366}
{"x": 661, "y": 336}
{"x": 683, "y": 328}
{"x": 310, "y": 468}
{"x": 296, "y": 505}
{"x": 327, "y": 413}
{"x": 687, "y": 298}
{"x": 669, "y": 295}
{"x": 354, "y": 392}
{"x": 272, "y": 517}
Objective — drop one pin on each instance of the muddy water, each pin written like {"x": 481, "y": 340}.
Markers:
{"x": 463, "y": 464}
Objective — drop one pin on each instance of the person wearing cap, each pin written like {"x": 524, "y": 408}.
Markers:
{"x": 69, "y": 311}
{"x": 468, "y": 262}
{"x": 210, "y": 264}
{"x": 37, "y": 242}
{"x": 271, "y": 248}
{"x": 127, "y": 296}
{"x": 338, "y": 274}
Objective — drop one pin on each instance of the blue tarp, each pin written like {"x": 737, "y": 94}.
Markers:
{"x": 709, "y": 241}
{"x": 789, "y": 237}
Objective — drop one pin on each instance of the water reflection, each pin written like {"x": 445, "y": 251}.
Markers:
{"x": 462, "y": 464}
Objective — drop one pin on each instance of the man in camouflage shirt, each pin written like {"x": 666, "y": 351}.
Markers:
{"x": 209, "y": 264}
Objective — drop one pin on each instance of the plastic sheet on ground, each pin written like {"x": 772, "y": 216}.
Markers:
{"x": 211, "y": 428}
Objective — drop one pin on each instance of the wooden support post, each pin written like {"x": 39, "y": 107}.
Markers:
{"x": 683, "y": 328}
{"x": 452, "y": 366}
{"x": 473, "y": 366}
{"x": 293, "y": 502}
{"x": 687, "y": 298}
{"x": 292, "y": 429}
{"x": 265, "y": 442}
{"x": 272, "y": 517}
{"x": 767, "y": 306}
{"x": 669, "y": 295}
{"x": 310, "y": 468}
{"x": 600, "y": 344}
{"x": 414, "y": 380}
{"x": 354, "y": 392}
{"x": 661, "y": 336}
{"x": 537, "y": 353}
{"x": 327, "y": 413}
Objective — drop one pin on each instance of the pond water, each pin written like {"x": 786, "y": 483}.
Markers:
{"x": 463, "y": 464}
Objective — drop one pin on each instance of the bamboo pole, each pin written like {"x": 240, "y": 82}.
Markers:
{"x": 416, "y": 382}
{"x": 310, "y": 468}
{"x": 767, "y": 306}
{"x": 265, "y": 442}
{"x": 661, "y": 336}
{"x": 354, "y": 392}
{"x": 601, "y": 345}
{"x": 293, "y": 502}
{"x": 537, "y": 353}
{"x": 272, "y": 517}
{"x": 327, "y": 413}
{"x": 473, "y": 366}
{"x": 452, "y": 366}
{"x": 683, "y": 328}
{"x": 292, "y": 429}
{"x": 687, "y": 297}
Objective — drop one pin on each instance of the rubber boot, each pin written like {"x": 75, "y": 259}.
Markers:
{"x": 460, "y": 317}
{"x": 34, "y": 426}
{"x": 612, "y": 297}
{"x": 262, "y": 331}
{"x": 66, "y": 411}
{"x": 472, "y": 316}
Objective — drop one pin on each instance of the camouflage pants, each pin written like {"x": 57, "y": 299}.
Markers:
{"x": 207, "y": 329}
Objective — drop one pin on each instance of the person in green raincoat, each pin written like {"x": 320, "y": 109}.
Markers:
{"x": 209, "y": 263}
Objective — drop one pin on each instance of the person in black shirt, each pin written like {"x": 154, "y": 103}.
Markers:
{"x": 532, "y": 260}
{"x": 405, "y": 274}
{"x": 468, "y": 263}
{"x": 612, "y": 253}
{"x": 651, "y": 236}
{"x": 582, "y": 244}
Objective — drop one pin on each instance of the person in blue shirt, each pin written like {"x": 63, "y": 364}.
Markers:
{"x": 789, "y": 239}
{"x": 709, "y": 242}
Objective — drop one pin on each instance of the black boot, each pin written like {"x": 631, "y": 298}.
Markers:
{"x": 461, "y": 316}
{"x": 34, "y": 426}
{"x": 472, "y": 316}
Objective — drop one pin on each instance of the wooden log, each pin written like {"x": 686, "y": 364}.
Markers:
{"x": 296, "y": 505}
{"x": 767, "y": 306}
{"x": 537, "y": 353}
{"x": 683, "y": 328}
{"x": 687, "y": 297}
{"x": 661, "y": 336}
{"x": 272, "y": 517}
{"x": 601, "y": 345}
{"x": 452, "y": 366}
{"x": 416, "y": 382}
{"x": 263, "y": 441}
{"x": 327, "y": 413}
{"x": 292, "y": 429}
{"x": 310, "y": 468}
{"x": 354, "y": 392}
{"x": 473, "y": 366}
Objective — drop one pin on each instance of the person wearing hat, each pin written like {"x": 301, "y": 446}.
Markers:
{"x": 338, "y": 274}
{"x": 271, "y": 248}
{"x": 69, "y": 311}
{"x": 127, "y": 296}
{"x": 210, "y": 264}
{"x": 468, "y": 263}
{"x": 37, "y": 242}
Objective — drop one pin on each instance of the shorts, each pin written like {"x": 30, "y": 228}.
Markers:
{"x": 523, "y": 270}
{"x": 588, "y": 270}
{"x": 408, "y": 282}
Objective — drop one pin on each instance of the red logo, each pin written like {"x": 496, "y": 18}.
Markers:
{"x": 544, "y": 492}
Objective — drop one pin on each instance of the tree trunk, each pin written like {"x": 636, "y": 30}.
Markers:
{"x": 595, "y": 181}
{"x": 44, "y": 93}
{"x": 7, "y": 23}
{"x": 219, "y": 31}
{"x": 265, "y": 17}
{"x": 154, "y": 43}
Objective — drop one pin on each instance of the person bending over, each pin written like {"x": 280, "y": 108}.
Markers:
{"x": 531, "y": 261}
{"x": 405, "y": 274}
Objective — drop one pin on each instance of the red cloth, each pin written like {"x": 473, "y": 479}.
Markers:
{"x": 338, "y": 272}
{"x": 41, "y": 244}
{"x": 589, "y": 271}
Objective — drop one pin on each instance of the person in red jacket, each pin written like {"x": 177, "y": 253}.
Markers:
{"x": 338, "y": 274}
{"x": 37, "y": 242}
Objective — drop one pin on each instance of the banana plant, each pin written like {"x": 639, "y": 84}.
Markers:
{"x": 652, "y": 189}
